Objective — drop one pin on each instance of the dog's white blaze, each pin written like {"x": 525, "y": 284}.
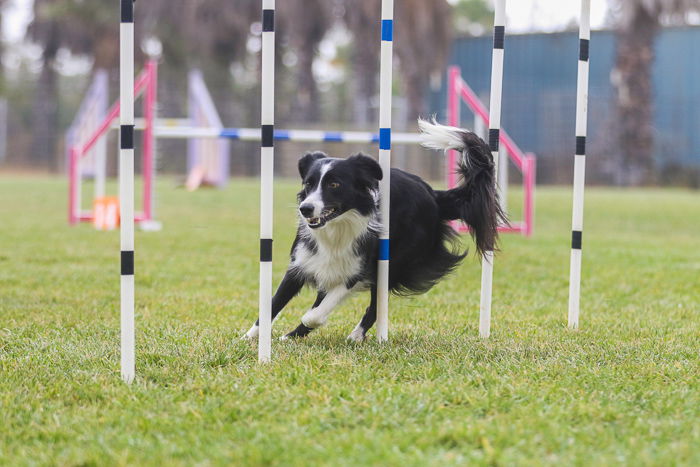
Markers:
{"x": 315, "y": 198}
{"x": 318, "y": 316}
{"x": 335, "y": 260}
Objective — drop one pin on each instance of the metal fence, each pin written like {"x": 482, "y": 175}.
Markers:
{"x": 539, "y": 96}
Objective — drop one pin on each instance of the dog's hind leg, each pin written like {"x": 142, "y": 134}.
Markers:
{"x": 360, "y": 332}
{"x": 319, "y": 313}
{"x": 290, "y": 286}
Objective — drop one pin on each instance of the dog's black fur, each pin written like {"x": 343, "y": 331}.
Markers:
{"x": 336, "y": 246}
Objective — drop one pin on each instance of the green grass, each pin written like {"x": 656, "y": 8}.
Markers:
{"x": 623, "y": 389}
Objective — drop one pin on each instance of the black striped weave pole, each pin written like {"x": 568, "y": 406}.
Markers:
{"x": 126, "y": 188}
{"x": 579, "y": 164}
{"x": 494, "y": 134}
{"x": 267, "y": 153}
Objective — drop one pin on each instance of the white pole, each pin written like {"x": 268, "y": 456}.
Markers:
{"x": 480, "y": 130}
{"x": 126, "y": 187}
{"x": 385, "y": 79}
{"x": 579, "y": 164}
{"x": 494, "y": 134}
{"x": 101, "y": 144}
{"x": 503, "y": 179}
{"x": 479, "y": 126}
{"x": 79, "y": 185}
{"x": 267, "y": 150}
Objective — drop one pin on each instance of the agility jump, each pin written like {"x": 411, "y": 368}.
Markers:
{"x": 208, "y": 143}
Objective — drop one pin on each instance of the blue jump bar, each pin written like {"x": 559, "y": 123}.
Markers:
{"x": 285, "y": 135}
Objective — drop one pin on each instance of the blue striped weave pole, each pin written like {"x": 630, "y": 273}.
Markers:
{"x": 126, "y": 188}
{"x": 385, "y": 79}
{"x": 267, "y": 151}
{"x": 579, "y": 163}
{"x": 494, "y": 135}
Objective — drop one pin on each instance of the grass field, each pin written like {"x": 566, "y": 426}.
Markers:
{"x": 623, "y": 389}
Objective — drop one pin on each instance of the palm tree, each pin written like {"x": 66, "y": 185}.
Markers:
{"x": 422, "y": 33}
{"x": 210, "y": 34}
{"x": 206, "y": 34}
{"x": 89, "y": 28}
{"x": 304, "y": 24}
{"x": 638, "y": 24}
{"x": 361, "y": 20}
{"x": 2, "y": 49}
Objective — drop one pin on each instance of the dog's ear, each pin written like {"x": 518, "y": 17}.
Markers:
{"x": 307, "y": 160}
{"x": 368, "y": 166}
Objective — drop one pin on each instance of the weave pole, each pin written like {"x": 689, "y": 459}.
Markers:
{"x": 267, "y": 151}
{"x": 126, "y": 188}
{"x": 499, "y": 30}
{"x": 385, "y": 79}
{"x": 579, "y": 163}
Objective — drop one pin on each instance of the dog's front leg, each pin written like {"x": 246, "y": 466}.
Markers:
{"x": 358, "y": 334}
{"x": 290, "y": 286}
{"x": 319, "y": 313}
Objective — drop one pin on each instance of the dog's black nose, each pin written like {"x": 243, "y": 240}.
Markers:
{"x": 306, "y": 210}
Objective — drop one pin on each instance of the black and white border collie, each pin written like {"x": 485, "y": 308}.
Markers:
{"x": 336, "y": 245}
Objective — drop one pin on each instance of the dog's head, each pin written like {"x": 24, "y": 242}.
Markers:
{"x": 332, "y": 187}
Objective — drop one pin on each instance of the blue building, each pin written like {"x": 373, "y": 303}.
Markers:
{"x": 539, "y": 94}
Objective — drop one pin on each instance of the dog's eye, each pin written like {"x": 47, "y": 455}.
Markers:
{"x": 334, "y": 185}
{"x": 307, "y": 185}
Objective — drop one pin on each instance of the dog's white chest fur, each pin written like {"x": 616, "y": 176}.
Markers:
{"x": 335, "y": 261}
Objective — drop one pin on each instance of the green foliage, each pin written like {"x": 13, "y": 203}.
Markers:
{"x": 472, "y": 17}
{"x": 622, "y": 389}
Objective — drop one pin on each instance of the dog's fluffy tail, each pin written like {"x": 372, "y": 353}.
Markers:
{"x": 475, "y": 199}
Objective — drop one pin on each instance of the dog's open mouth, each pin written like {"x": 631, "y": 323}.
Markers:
{"x": 326, "y": 215}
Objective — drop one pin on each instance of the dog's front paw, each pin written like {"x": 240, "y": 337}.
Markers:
{"x": 252, "y": 333}
{"x": 301, "y": 331}
{"x": 357, "y": 335}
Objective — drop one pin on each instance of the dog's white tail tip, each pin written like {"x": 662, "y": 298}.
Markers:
{"x": 440, "y": 137}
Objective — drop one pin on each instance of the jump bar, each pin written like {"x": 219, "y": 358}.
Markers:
{"x": 309, "y": 136}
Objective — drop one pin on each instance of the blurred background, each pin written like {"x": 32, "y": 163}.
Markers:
{"x": 644, "y": 108}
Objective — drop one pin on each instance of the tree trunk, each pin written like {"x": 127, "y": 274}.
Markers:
{"x": 365, "y": 70}
{"x": 360, "y": 18}
{"x": 416, "y": 83}
{"x": 306, "y": 106}
{"x": 632, "y": 80}
{"x": 418, "y": 58}
{"x": 45, "y": 117}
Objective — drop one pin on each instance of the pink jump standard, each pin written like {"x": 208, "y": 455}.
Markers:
{"x": 459, "y": 91}
{"x": 146, "y": 85}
